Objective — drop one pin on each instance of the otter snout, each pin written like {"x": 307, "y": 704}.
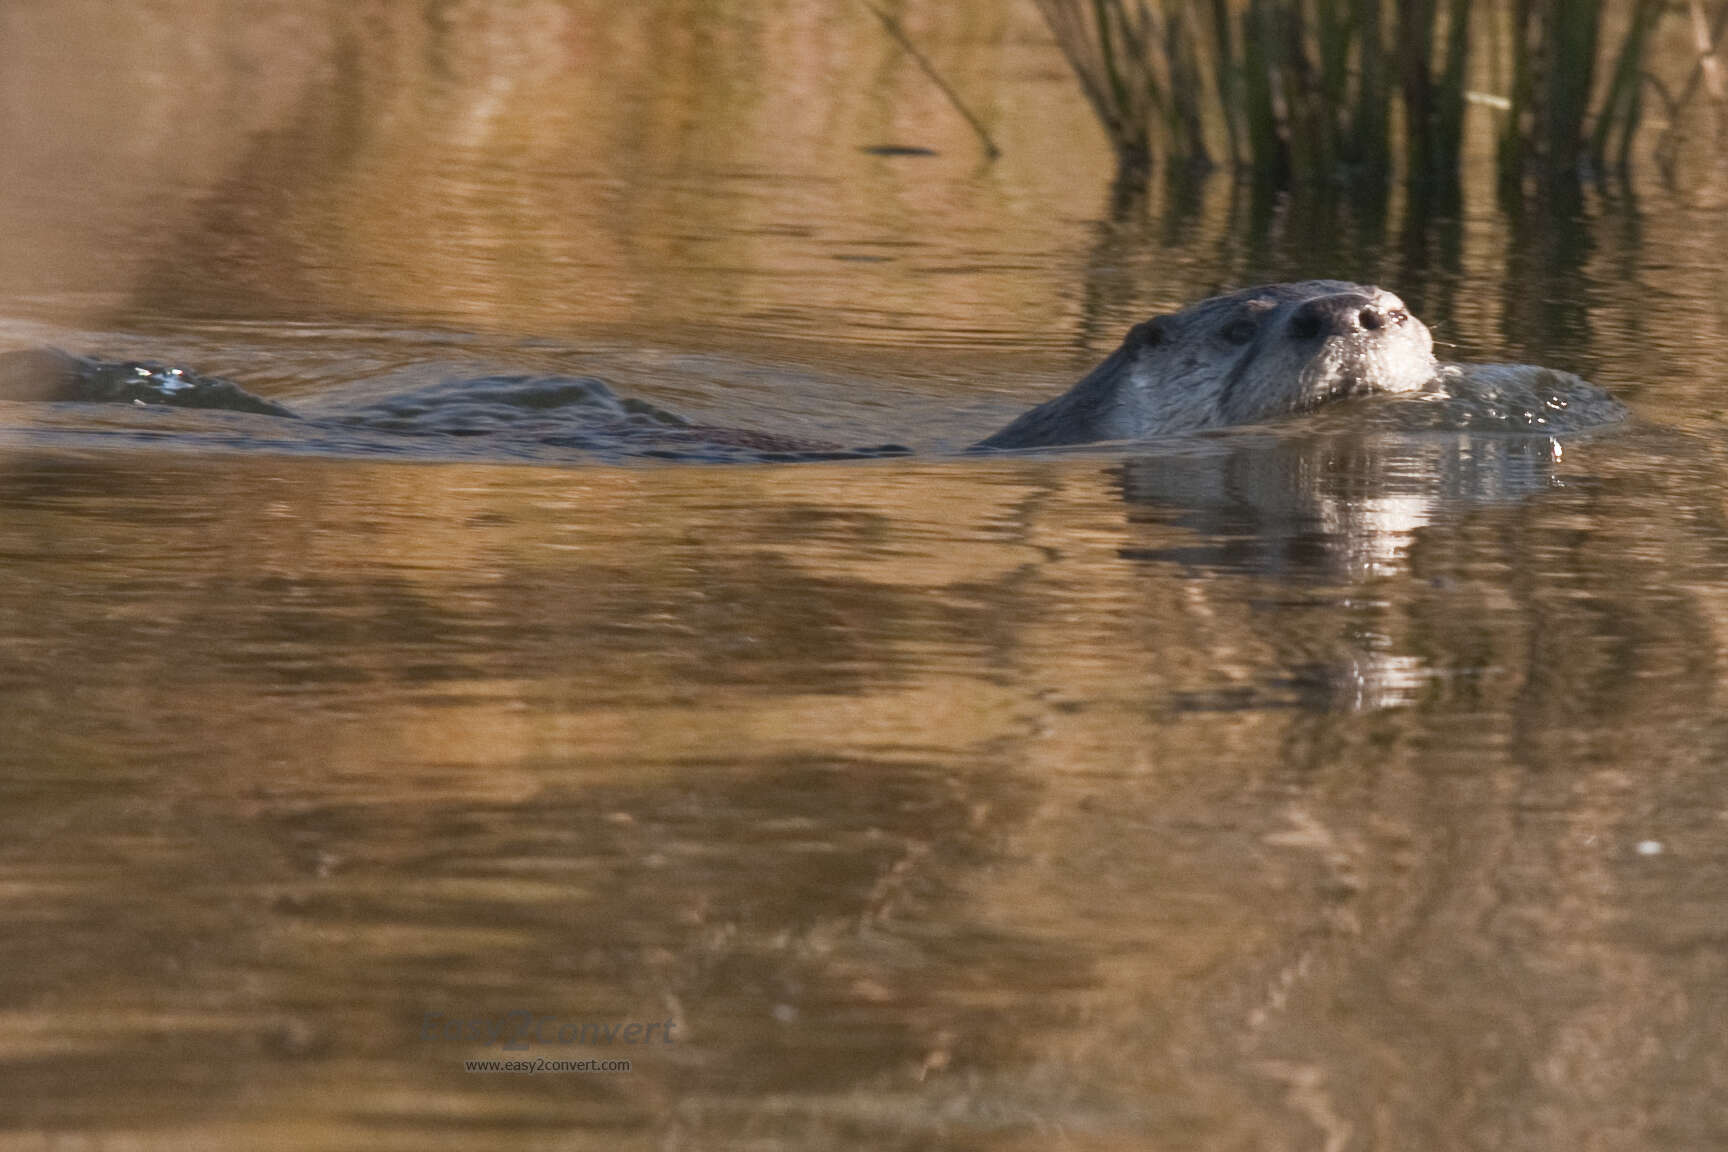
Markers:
{"x": 1346, "y": 314}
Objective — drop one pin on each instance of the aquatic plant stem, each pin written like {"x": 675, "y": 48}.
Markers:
{"x": 1621, "y": 105}
{"x": 991, "y": 151}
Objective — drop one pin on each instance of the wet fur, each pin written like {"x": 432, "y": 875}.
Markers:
{"x": 1231, "y": 360}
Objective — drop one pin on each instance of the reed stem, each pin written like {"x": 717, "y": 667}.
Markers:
{"x": 1300, "y": 90}
{"x": 991, "y": 152}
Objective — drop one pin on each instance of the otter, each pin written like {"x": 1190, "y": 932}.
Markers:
{"x": 1239, "y": 359}
{"x": 1244, "y": 358}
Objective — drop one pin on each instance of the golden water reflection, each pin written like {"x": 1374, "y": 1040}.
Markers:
{"x": 1284, "y": 791}
{"x": 922, "y": 798}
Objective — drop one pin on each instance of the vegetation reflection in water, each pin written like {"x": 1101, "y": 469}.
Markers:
{"x": 1279, "y": 790}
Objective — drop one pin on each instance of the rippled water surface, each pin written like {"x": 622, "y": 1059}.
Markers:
{"x": 1311, "y": 787}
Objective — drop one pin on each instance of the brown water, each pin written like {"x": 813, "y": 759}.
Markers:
{"x": 1282, "y": 790}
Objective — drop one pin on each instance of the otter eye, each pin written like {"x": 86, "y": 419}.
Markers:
{"x": 1148, "y": 334}
{"x": 1240, "y": 331}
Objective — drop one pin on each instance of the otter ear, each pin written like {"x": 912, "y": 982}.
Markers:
{"x": 1149, "y": 334}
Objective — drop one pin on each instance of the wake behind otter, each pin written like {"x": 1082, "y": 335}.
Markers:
{"x": 1246, "y": 358}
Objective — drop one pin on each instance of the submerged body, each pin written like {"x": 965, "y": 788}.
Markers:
{"x": 1244, "y": 358}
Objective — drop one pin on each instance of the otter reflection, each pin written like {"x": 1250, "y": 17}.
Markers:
{"x": 1320, "y": 513}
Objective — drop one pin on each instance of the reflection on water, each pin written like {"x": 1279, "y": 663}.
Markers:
{"x": 1309, "y": 789}
{"x": 920, "y": 797}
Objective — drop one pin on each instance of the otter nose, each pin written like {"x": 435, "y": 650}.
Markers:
{"x": 1342, "y": 315}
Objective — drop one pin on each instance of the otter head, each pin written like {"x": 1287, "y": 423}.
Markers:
{"x": 1238, "y": 359}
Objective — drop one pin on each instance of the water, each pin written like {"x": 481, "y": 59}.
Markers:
{"x": 1312, "y": 788}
